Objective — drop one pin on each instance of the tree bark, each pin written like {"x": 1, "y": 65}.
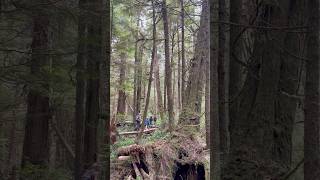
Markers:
{"x": 191, "y": 106}
{"x": 235, "y": 54}
{"x": 121, "y": 110}
{"x": 214, "y": 142}
{"x": 257, "y": 133}
{"x": 207, "y": 103}
{"x": 312, "y": 116}
{"x": 94, "y": 50}
{"x": 223, "y": 86}
{"x": 158, "y": 87}
{"x": 179, "y": 72}
{"x": 137, "y": 74}
{"x": 183, "y": 60}
{"x": 157, "y": 73}
{"x": 165, "y": 103}
{"x": 154, "y": 49}
{"x": 173, "y": 67}
{"x": 36, "y": 146}
{"x": 80, "y": 95}
{"x": 168, "y": 70}
{"x": 104, "y": 139}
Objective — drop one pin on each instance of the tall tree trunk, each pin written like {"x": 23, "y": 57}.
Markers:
{"x": 80, "y": 95}
{"x": 154, "y": 93}
{"x": 94, "y": 58}
{"x": 312, "y": 116}
{"x": 158, "y": 87}
{"x": 214, "y": 142}
{"x": 154, "y": 49}
{"x": 236, "y": 49}
{"x": 207, "y": 104}
{"x": 13, "y": 145}
{"x": 235, "y": 54}
{"x": 157, "y": 74}
{"x": 183, "y": 60}
{"x": 289, "y": 84}
{"x": 36, "y": 146}
{"x": 179, "y": 72}
{"x": 139, "y": 81}
{"x": 168, "y": 71}
{"x": 104, "y": 140}
{"x": 165, "y": 103}
{"x": 121, "y": 110}
{"x": 137, "y": 74}
{"x": 173, "y": 67}
{"x": 191, "y": 106}
{"x": 257, "y": 132}
{"x": 222, "y": 59}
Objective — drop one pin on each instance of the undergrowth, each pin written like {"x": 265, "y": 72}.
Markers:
{"x": 147, "y": 139}
{"x": 36, "y": 172}
{"x": 120, "y": 143}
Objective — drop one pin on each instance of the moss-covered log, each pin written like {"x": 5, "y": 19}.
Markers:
{"x": 181, "y": 157}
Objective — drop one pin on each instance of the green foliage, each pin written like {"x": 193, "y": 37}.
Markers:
{"x": 157, "y": 135}
{"x": 36, "y": 172}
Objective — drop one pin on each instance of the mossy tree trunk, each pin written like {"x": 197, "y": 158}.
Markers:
{"x": 191, "y": 105}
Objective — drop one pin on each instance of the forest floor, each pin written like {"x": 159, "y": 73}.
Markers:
{"x": 160, "y": 155}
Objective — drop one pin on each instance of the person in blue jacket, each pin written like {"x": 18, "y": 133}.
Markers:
{"x": 147, "y": 123}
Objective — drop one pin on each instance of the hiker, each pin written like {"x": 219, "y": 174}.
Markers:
{"x": 138, "y": 121}
{"x": 147, "y": 123}
{"x": 151, "y": 121}
{"x": 154, "y": 120}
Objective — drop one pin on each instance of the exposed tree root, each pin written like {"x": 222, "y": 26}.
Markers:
{"x": 179, "y": 157}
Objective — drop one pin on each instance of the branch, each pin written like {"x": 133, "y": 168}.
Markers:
{"x": 295, "y": 96}
{"x": 260, "y": 27}
{"x": 63, "y": 140}
{"x": 294, "y": 169}
{"x": 45, "y": 53}
{"x": 129, "y": 105}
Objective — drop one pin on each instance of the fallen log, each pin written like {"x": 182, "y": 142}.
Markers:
{"x": 124, "y": 158}
{"x": 146, "y": 131}
{"x": 130, "y": 150}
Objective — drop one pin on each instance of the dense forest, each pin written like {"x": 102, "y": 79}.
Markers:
{"x": 159, "y": 89}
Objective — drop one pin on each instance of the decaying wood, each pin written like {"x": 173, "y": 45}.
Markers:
{"x": 144, "y": 174}
{"x": 124, "y": 158}
{"x": 129, "y": 177}
{"x": 159, "y": 157}
{"x": 130, "y": 150}
{"x": 136, "y": 170}
{"x": 146, "y": 131}
{"x": 150, "y": 162}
